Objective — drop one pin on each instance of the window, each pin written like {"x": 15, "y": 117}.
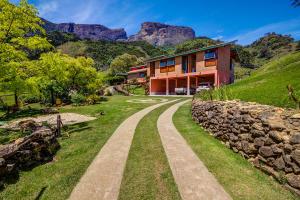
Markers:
{"x": 163, "y": 63}
{"x": 210, "y": 55}
{"x": 171, "y": 62}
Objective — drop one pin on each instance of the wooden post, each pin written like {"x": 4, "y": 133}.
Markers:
{"x": 58, "y": 123}
{"x": 188, "y": 86}
{"x": 167, "y": 86}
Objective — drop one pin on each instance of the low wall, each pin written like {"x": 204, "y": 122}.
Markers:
{"x": 269, "y": 137}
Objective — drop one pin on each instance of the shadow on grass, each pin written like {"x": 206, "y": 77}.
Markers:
{"x": 76, "y": 128}
{"x": 29, "y": 112}
{"x": 40, "y": 194}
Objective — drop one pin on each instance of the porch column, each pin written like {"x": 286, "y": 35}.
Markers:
{"x": 167, "y": 86}
{"x": 150, "y": 88}
{"x": 216, "y": 80}
{"x": 196, "y": 81}
{"x": 188, "y": 85}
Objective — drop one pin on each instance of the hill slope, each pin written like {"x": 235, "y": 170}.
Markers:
{"x": 268, "y": 84}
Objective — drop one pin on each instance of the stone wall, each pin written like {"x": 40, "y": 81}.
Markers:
{"x": 269, "y": 137}
{"x": 29, "y": 151}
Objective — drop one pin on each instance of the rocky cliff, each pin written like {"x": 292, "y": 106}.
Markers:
{"x": 87, "y": 31}
{"x": 163, "y": 34}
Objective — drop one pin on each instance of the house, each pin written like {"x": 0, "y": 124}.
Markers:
{"x": 187, "y": 70}
{"x": 138, "y": 73}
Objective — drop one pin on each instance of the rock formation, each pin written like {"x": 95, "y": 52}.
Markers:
{"x": 162, "y": 34}
{"x": 87, "y": 31}
{"x": 269, "y": 137}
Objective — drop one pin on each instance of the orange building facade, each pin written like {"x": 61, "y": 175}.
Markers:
{"x": 212, "y": 64}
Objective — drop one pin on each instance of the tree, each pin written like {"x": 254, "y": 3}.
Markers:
{"x": 21, "y": 35}
{"x": 195, "y": 44}
{"x": 122, "y": 64}
{"x": 298, "y": 46}
{"x": 59, "y": 74}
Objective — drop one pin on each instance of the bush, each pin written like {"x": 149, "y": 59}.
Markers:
{"x": 27, "y": 98}
{"x": 92, "y": 99}
{"x": 77, "y": 98}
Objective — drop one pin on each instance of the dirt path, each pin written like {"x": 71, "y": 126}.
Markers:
{"x": 192, "y": 177}
{"x": 103, "y": 177}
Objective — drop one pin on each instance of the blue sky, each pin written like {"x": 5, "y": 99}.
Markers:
{"x": 227, "y": 20}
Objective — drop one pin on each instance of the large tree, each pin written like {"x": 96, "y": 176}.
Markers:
{"x": 21, "y": 35}
{"x": 122, "y": 63}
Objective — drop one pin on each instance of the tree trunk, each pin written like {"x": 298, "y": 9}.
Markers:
{"x": 16, "y": 100}
{"x": 52, "y": 97}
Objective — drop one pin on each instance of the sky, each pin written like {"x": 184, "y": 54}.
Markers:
{"x": 226, "y": 20}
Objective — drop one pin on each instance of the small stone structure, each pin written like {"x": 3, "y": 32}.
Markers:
{"x": 269, "y": 137}
{"x": 31, "y": 150}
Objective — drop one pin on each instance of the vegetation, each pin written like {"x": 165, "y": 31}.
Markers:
{"x": 122, "y": 63}
{"x": 103, "y": 52}
{"x": 239, "y": 178}
{"x": 268, "y": 85}
{"x": 55, "y": 180}
{"x": 57, "y": 38}
{"x": 18, "y": 45}
{"x": 147, "y": 174}
{"x": 195, "y": 44}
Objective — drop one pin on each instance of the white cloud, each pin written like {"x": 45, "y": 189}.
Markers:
{"x": 47, "y": 8}
{"x": 286, "y": 27}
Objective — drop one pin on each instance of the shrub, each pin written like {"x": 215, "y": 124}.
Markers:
{"x": 92, "y": 99}
{"x": 77, "y": 99}
{"x": 27, "y": 98}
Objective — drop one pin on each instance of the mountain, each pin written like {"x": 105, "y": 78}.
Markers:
{"x": 87, "y": 31}
{"x": 159, "y": 34}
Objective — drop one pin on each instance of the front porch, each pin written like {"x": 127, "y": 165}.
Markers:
{"x": 190, "y": 82}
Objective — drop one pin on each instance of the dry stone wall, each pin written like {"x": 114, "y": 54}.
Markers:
{"x": 269, "y": 137}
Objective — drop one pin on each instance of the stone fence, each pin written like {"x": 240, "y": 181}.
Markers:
{"x": 269, "y": 137}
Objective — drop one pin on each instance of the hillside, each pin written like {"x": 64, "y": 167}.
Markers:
{"x": 268, "y": 84}
{"x": 103, "y": 52}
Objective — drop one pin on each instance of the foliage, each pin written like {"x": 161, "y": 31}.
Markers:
{"x": 122, "y": 63}
{"x": 245, "y": 56}
{"x": 92, "y": 99}
{"x": 270, "y": 46}
{"x": 195, "y": 44}
{"x": 30, "y": 98}
{"x": 298, "y": 46}
{"x": 221, "y": 94}
{"x": 103, "y": 52}
{"x": 77, "y": 98}
{"x": 57, "y": 38}
{"x": 59, "y": 74}
{"x": 21, "y": 37}
{"x": 107, "y": 92}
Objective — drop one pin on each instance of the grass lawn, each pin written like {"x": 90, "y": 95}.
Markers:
{"x": 147, "y": 174}
{"x": 239, "y": 178}
{"x": 55, "y": 180}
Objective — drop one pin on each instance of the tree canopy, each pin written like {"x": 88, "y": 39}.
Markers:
{"x": 21, "y": 36}
{"x": 122, "y": 63}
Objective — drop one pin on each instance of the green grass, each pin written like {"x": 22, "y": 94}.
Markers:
{"x": 147, "y": 174}
{"x": 239, "y": 178}
{"x": 55, "y": 180}
{"x": 268, "y": 84}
